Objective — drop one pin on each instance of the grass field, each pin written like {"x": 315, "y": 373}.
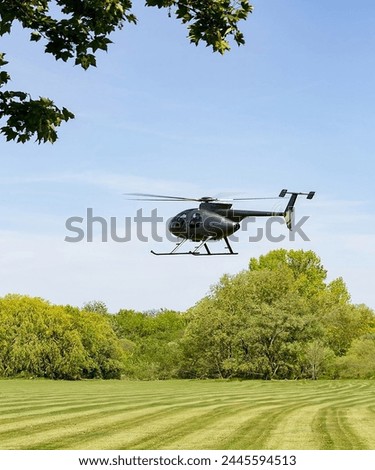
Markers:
{"x": 38, "y": 414}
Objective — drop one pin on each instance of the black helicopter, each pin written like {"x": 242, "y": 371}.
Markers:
{"x": 215, "y": 220}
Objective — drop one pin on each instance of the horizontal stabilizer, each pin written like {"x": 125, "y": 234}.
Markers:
{"x": 309, "y": 195}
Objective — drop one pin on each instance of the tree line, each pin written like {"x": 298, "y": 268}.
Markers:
{"x": 279, "y": 319}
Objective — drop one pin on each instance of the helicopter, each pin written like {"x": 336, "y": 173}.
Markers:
{"x": 214, "y": 219}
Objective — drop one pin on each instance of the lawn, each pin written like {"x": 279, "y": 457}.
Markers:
{"x": 41, "y": 414}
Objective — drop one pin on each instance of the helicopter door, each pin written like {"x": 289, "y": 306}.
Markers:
{"x": 196, "y": 220}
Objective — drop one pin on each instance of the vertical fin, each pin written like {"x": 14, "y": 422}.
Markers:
{"x": 289, "y": 210}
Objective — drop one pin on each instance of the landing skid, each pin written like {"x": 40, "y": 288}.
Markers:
{"x": 196, "y": 251}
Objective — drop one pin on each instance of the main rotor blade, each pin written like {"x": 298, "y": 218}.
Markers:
{"x": 158, "y": 197}
{"x": 244, "y": 199}
{"x": 163, "y": 198}
{"x": 252, "y": 198}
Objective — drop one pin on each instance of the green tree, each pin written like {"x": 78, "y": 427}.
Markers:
{"x": 252, "y": 325}
{"x": 57, "y": 342}
{"x": 38, "y": 339}
{"x": 341, "y": 321}
{"x": 209, "y": 341}
{"x": 153, "y": 343}
{"x": 77, "y": 29}
{"x": 279, "y": 319}
{"x": 305, "y": 266}
{"x": 97, "y": 306}
{"x": 319, "y": 359}
{"x": 359, "y": 362}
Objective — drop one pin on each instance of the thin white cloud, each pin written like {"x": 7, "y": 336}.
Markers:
{"x": 110, "y": 181}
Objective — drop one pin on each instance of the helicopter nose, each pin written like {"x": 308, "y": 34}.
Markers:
{"x": 176, "y": 226}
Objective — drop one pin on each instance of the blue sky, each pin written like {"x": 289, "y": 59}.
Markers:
{"x": 293, "y": 108}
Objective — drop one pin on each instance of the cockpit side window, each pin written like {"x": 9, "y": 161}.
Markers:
{"x": 196, "y": 219}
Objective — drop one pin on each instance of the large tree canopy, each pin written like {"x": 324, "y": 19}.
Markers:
{"x": 279, "y": 319}
{"x": 77, "y": 29}
{"x": 38, "y": 339}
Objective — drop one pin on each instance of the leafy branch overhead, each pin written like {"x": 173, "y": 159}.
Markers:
{"x": 77, "y": 29}
{"x": 28, "y": 117}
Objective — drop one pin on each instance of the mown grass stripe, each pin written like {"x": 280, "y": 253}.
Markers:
{"x": 130, "y": 427}
{"x": 253, "y": 434}
{"x": 70, "y": 428}
{"x": 174, "y": 432}
{"x": 214, "y": 433}
{"x": 335, "y": 432}
{"x": 187, "y": 414}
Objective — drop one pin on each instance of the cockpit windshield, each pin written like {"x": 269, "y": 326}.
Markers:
{"x": 179, "y": 222}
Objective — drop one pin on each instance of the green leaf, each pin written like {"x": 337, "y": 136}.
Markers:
{"x": 4, "y": 78}
{"x": 35, "y": 36}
